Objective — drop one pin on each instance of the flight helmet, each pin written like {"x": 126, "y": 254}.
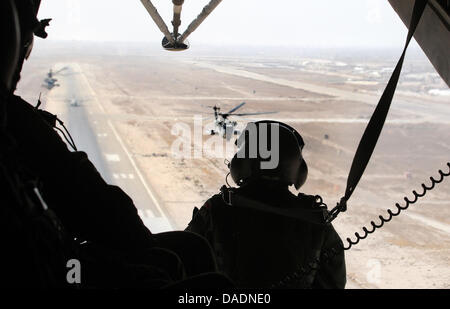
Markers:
{"x": 269, "y": 150}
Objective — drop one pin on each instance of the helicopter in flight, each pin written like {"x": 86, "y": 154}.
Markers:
{"x": 50, "y": 81}
{"x": 225, "y": 127}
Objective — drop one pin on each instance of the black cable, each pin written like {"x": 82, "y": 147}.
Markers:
{"x": 298, "y": 277}
{"x": 72, "y": 143}
{"x": 226, "y": 180}
{"x": 52, "y": 119}
{"x": 66, "y": 138}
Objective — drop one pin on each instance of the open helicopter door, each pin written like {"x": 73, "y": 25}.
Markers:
{"x": 432, "y": 33}
{"x": 173, "y": 41}
{"x": 375, "y": 126}
{"x": 412, "y": 13}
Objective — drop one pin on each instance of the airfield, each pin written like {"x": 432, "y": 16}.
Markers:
{"x": 130, "y": 99}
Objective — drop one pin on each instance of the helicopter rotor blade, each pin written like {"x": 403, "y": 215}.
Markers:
{"x": 60, "y": 70}
{"x": 209, "y": 106}
{"x": 236, "y": 108}
{"x": 252, "y": 114}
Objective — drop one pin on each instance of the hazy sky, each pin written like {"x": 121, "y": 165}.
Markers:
{"x": 316, "y": 23}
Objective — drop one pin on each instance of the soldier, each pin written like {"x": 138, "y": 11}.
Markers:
{"x": 115, "y": 247}
{"x": 261, "y": 232}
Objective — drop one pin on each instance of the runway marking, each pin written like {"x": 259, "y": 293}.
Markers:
{"x": 102, "y": 134}
{"x": 138, "y": 172}
{"x": 112, "y": 157}
{"x": 123, "y": 176}
{"x": 145, "y": 213}
{"x": 430, "y": 222}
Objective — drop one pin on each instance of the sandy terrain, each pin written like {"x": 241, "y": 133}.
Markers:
{"x": 145, "y": 97}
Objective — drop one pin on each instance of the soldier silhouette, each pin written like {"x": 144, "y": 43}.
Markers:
{"x": 261, "y": 232}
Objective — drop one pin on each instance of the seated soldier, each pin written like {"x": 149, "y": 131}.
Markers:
{"x": 263, "y": 234}
{"x": 118, "y": 250}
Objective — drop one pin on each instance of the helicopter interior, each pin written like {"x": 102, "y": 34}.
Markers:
{"x": 375, "y": 129}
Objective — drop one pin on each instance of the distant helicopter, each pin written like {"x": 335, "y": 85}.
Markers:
{"x": 76, "y": 102}
{"x": 226, "y": 127}
{"x": 50, "y": 81}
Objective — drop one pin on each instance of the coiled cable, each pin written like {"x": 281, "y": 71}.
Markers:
{"x": 298, "y": 277}
{"x": 399, "y": 209}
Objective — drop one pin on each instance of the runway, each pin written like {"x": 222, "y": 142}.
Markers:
{"x": 76, "y": 103}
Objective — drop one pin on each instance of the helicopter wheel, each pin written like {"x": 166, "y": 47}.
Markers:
{"x": 174, "y": 47}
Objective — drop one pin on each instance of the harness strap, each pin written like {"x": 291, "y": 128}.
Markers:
{"x": 315, "y": 216}
{"x": 376, "y": 123}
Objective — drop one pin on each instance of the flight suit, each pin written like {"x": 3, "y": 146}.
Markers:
{"x": 260, "y": 249}
{"x": 89, "y": 208}
{"x": 34, "y": 245}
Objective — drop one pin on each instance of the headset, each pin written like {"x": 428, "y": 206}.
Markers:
{"x": 292, "y": 168}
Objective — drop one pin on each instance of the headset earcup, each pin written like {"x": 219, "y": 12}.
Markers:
{"x": 242, "y": 169}
{"x": 302, "y": 175}
{"x": 237, "y": 169}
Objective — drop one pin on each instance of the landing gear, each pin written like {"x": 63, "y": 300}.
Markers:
{"x": 175, "y": 46}
{"x": 175, "y": 41}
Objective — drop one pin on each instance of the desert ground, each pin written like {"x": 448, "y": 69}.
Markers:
{"x": 130, "y": 100}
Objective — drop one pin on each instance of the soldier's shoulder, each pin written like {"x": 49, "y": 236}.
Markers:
{"x": 23, "y": 111}
{"x": 215, "y": 201}
{"x": 17, "y": 104}
{"x": 22, "y": 103}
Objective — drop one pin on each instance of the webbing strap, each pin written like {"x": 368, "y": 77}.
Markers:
{"x": 314, "y": 216}
{"x": 376, "y": 123}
